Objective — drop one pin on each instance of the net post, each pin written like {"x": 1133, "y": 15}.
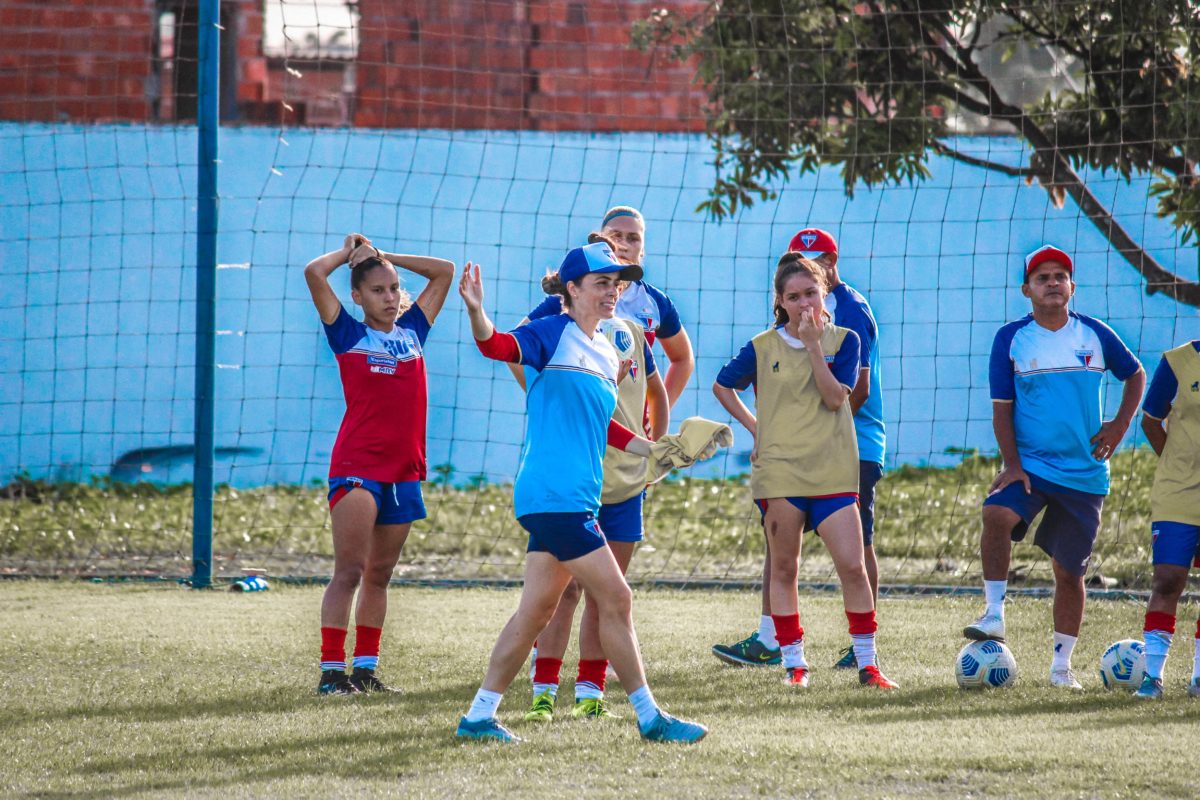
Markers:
{"x": 207, "y": 121}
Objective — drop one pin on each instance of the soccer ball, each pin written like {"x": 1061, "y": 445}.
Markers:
{"x": 985, "y": 665}
{"x": 1123, "y": 664}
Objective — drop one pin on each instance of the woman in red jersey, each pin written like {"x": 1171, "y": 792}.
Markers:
{"x": 378, "y": 459}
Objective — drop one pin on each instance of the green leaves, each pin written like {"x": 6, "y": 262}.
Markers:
{"x": 867, "y": 87}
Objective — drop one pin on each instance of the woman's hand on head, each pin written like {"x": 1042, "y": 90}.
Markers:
{"x": 470, "y": 287}
{"x": 352, "y": 242}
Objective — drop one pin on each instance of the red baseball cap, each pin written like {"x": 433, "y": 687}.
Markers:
{"x": 812, "y": 242}
{"x": 1047, "y": 253}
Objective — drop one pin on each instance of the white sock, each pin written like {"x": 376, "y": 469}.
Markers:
{"x": 1063, "y": 645}
{"x": 484, "y": 705}
{"x": 766, "y": 632}
{"x": 793, "y": 655}
{"x": 539, "y": 688}
{"x": 1157, "y": 645}
{"x": 864, "y": 649}
{"x": 586, "y": 690}
{"x": 644, "y": 706}
{"x": 993, "y": 595}
{"x": 1196, "y": 661}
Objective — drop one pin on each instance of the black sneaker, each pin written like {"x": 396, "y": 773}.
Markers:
{"x": 847, "y": 659}
{"x": 364, "y": 680}
{"x": 748, "y": 652}
{"x": 334, "y": 681}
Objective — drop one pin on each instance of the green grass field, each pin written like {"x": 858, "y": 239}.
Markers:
{"x": 927, "y": 530}
{"x": 139, "y": 691}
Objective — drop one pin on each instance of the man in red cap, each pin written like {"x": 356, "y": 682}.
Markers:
{"x": 1045, "y": 375}
{"x": 850, "y": 310}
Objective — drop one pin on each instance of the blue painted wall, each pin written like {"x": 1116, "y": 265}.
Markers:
{"x": 97, "y": 255}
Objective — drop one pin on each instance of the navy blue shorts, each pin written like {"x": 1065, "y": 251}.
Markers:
{"x": 869, "y": 474}
{"x": 622, "y": 522}
{"x": 396, "y": 503}
{"x": 1175, "y": 543}
{"x": 816, "y": 509}
{"x": 1068, "y": 530}
{"x": 564, "y": 535}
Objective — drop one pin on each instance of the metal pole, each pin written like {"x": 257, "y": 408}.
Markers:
{"x": 207, "y": 119}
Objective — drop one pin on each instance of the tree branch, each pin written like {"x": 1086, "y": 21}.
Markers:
{"x": 1158, "y": 278}
{"x": 1015, "y": 172}
{"x": 1060, "y": 173}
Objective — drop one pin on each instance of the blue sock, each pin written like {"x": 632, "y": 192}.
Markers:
{"x": 1157, "y": 645}
{"x": 644, "y": 706}
{"x": 366, "y": 662}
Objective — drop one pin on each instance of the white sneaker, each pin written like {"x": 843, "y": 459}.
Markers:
{"x": 988, "y": 626}
{"x": 1064, "y": 679}
{"x": 1194, "y": 687}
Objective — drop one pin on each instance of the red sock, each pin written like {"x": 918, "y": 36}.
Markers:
{"x": 1158, "y": 621}
{"x": 333, "y": 646}
{"x": 1198, "y": 629}
{"x": 545, "y": 670}
{"x": 366, "y": 641}
{"x": 592, "y": 671}
{"x": 787, "y": 629}
{"x": 862, "y": 623}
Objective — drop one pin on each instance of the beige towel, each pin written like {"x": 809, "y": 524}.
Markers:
{"x": 698, "y": 439}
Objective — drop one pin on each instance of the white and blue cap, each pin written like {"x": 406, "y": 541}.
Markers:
{"x": 597, "y": 257}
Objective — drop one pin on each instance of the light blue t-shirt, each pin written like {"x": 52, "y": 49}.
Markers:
{"x": 851, "y": 310}
{"x": 1053, "y": 379}
{"x": 571, "y": 394}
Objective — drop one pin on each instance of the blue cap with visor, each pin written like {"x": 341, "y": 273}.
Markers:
{"x": 597, "y": 257}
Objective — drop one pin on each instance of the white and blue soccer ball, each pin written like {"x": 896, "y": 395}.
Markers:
{"x": 985, "y": 665}
{"x": 1123, "y": 665}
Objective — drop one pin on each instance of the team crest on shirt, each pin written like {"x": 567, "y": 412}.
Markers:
{"x": 1085, "y": 356}
{"x": 633, "y": 370}
{"x": 807, "y": 239}
{"x": 622, "y": 340}
{"x": 646, "y": 318}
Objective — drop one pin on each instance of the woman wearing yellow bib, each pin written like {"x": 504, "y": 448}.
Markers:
{"x": 805, "y": 456}
{"x": 1171, "y": 422}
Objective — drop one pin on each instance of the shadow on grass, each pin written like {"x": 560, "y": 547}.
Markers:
{"x": 1090, "y": 709}
{"x": 271, "y": 700}
{"x": 243, "y": 767}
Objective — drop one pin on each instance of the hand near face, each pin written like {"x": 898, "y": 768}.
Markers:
{"x": 810, "y": 327}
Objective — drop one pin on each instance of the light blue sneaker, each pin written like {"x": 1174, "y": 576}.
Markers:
{"x": 485, "y": 729}
{"x": 1151, "y": 689}
{"x": 665, "y": 728}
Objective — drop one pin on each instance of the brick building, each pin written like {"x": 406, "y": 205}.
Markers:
{"x": 506, "y": 64}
